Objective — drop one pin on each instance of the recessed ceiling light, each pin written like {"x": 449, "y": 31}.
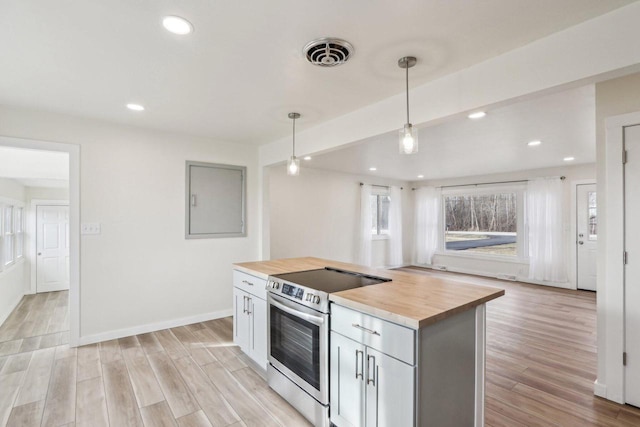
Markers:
{"x": 420, "y": 176}
{"x": 177, "y": 25}
{"x": 307, "y": 157}
{"x": 373, "y": 169}
{"x": 477, "y": 115}
{"x": 135, "y": 107}
{"x": 569, "y": 159}
{"x": 534, "y": 143}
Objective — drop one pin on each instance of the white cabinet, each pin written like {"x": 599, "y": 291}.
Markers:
{"x": 347, "y": 381}
{"x": 385, "y": 374}
{"x": 372, "y": 370}
{"x": 250, "y": 316}
{"x": 389, "y": 390}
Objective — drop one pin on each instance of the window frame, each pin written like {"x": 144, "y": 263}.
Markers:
{"x": 378, "y": 192}
{"x": 8, "y": 235}
{"x": 18, "y": 232}
{"x": 522, "y": 254}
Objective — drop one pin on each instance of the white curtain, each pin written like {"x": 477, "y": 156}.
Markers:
{"x": 427, "y": 218}
{"x": 366, "y": 218}
{"x": 544, "y": 220}
{"x": 395, "y": 227}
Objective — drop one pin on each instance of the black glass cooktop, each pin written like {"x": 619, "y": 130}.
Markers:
{"x": 330, "y": 279}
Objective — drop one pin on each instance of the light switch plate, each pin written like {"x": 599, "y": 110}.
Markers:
{"x": 90, "y": 228}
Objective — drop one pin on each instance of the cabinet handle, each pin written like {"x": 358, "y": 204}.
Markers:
{"x": 361, "y": 363}
{"x": 248, "y": 283}
{"x": 244, "y": 303}
{"x": 371, "y": 379}
{"x": 249, "y": 299}
{"x": 362, "y": 328}
{"x": 193, "y": 200}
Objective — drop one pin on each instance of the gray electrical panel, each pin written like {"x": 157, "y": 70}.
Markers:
{"x": 215, "y": 200}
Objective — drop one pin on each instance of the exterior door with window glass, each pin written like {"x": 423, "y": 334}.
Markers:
{"x": 52, "y": 244}
{"x": 587, "y": 236}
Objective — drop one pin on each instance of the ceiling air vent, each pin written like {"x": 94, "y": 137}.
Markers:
{"x": 328, "y": 52}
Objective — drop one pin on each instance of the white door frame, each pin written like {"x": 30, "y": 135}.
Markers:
{"x": 573, "y": 276}
{"x": 33, "y": 254}
{"x": 610, "y": 287}
{"x": 74, "y": 221}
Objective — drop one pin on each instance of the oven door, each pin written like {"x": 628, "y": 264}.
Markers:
{"x": 298, "y": 345}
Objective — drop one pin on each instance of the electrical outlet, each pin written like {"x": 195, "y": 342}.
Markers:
{"x": 90, "y": 228}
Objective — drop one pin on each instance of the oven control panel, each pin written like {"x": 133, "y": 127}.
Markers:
{"x": 295, "y": 292}
{"x": 292, "y": 291}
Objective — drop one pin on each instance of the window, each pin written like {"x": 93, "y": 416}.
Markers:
{"x": 19, "y": 235}
{"x": 482, "y": 223}
{"x": 593, "y": 216}
{"x": 380, "y": 212}
{"x": 8, "y": 235}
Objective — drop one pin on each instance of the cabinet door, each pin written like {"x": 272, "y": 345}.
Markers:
{"x": 258, "y": 331}
{"x": 347, "y": 381}
{"x": 241, "y": 319}
{"x": 390, "y": 391}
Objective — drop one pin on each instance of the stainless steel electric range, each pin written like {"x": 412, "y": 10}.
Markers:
{"x": 298, "y": 335}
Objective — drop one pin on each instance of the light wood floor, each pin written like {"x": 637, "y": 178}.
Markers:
{"x": 186, "y": 376}
{"x": 541, "y": 364}
{"x": 541, "y": 358}
{"x": 39, "y": 321}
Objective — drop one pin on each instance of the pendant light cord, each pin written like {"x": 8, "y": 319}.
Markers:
{"x": 407, "y": 82}
{"x": 294, "y": 137}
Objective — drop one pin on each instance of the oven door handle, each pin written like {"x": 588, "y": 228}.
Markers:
{"x": 308, "y": 317}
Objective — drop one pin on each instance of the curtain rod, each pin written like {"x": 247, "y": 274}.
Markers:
{"x": 490, "y": 183}
{"x": 376, "y": 185}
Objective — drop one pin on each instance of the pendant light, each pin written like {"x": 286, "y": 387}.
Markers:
{"x": 408, "y": 135}
{"x": 293, "y": 165}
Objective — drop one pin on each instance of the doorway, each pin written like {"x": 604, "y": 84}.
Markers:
{"x": 72, "y": 236}
{"x": 586, "y": 236}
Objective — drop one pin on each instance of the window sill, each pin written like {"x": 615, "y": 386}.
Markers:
{"x": 484, "y": 257}
{"x": 8, "y": 267}
{"x": 379, "y": 237}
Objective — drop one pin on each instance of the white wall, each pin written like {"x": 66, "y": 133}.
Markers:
{"x": 613, "y": 98}
{"x": 12, "y": 278}
{"x": 318, "y": 212}
{"x": 520, "y": 269}
{"x": 141, "y": 273}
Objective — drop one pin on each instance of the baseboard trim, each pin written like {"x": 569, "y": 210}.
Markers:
{"x": 600, "y": 389}
{"x": 151, "y": 327}
{"x": 13, "y": 307}
{"x": 440, "y": 267}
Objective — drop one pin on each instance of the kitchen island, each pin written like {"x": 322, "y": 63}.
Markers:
{"x": 405, "y": 352}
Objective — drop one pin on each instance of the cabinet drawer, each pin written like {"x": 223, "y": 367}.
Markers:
{"x": 386, "y": 337}
{"x": 251, "y": 284}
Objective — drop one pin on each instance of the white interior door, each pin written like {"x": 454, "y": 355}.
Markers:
{"x": 632, "y": 268}
{"x": 52, "y": 247}
{"x": 587, "y": 236}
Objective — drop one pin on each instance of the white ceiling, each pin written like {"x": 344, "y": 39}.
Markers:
{"x": 238, "y": 75}
{"x": 564, "y": 122}
{"x": 35, "y": 168}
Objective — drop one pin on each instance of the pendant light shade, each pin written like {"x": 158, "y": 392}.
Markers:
{"x": 408, "y": 135}
{"x": 293, "y": 165}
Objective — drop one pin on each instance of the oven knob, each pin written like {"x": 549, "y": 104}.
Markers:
{"x": 308, "y": 298}
{"x": 276, "y": 285}
{"x": 316, "y": 299}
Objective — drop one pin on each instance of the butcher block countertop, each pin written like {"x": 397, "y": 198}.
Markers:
{"x": 410, "y": 300}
